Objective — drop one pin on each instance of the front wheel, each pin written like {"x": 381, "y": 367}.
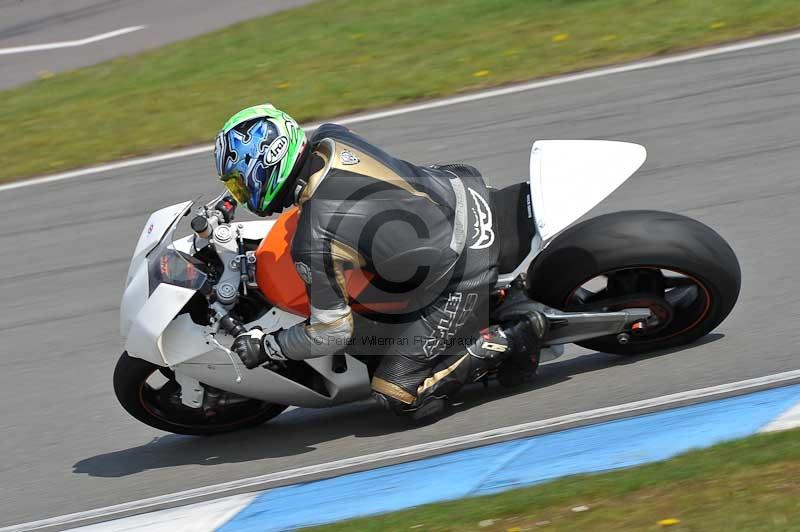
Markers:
{"x": 679, "y": 268}
{"x": 150, "y": 394}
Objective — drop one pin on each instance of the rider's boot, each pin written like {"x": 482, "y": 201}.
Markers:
{"x": 520, "y": 341}
{"x": 521, "y": 365}
{"x": 395, "y": 383}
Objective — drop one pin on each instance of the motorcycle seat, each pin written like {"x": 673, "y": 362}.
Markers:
{"x": 516, "y": 226}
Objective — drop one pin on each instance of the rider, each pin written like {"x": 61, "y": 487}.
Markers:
{"x": 424, "y": 231}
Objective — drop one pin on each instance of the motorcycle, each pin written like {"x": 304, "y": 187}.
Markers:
{"x": 627, "y": 283}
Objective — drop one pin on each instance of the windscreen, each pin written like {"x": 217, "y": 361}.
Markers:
{"x": 170, "y": 266}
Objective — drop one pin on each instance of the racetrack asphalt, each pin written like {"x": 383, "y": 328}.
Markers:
{"x": 722, "y": 136}
{"x": 32, "y": 22}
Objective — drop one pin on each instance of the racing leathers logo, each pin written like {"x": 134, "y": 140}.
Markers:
{"x": 452, "y": 316}
{"x": 304, "y": 271}
{"x": 348, "y": 157}
{"x": 483, "y": 234}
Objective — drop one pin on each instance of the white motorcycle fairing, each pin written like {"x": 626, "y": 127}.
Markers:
{"x": 156, "y": 331}
{"x": 154, "y": 230}
{"x": 570, "y": 177}
{"x": 137, "y": 281}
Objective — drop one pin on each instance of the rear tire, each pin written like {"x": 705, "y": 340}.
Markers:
{"x": 640, "y": 241}
{"x": 140, "y": 401}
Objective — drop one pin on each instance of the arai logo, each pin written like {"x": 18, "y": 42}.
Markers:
{"x": 276, "y": 151}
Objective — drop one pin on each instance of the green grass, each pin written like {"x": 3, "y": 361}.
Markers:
{"x": 341, "y": 56}
{"x": 747, "y": 485}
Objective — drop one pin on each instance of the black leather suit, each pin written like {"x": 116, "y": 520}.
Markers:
{"x": 424, "y": 234}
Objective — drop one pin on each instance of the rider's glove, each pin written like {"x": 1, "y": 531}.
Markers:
{"x": 255, "y": 347}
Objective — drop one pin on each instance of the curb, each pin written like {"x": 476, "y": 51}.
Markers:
{"x": 484, "y": 470}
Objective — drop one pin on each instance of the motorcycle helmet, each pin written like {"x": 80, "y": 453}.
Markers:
{"x": 256, "y": 153}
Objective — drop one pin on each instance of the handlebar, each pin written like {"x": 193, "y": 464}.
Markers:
{"x": 221, "y": 213}
{"x": 227, "y": 206}
{"x": 231, "y": 326}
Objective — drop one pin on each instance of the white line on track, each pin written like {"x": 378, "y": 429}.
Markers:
{"x": 435, "y": 447}
{"x": 70, "y": 44}
{"x": 435, "y": 104}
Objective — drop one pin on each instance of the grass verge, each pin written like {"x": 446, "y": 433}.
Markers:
{"x": 746, "y": 485}
{"x": 340, "y": 56}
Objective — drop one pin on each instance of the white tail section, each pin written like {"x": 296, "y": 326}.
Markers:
{"x": 569, "y": 177}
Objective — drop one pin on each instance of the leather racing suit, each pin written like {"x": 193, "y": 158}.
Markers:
{"x": 423, "y": 233}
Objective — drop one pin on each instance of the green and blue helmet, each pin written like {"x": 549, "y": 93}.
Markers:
{"x": 256, "y": 152}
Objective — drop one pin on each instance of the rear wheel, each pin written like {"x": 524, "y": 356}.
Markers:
{"x": 150, "y": 394}
{"x": 680, "y": 269}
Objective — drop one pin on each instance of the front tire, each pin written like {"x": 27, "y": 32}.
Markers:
{"x": 680, "y": 268}
{"x": 158, "y": 408}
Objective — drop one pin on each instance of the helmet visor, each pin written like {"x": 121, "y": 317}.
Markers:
{"x": 236, "y": 186}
